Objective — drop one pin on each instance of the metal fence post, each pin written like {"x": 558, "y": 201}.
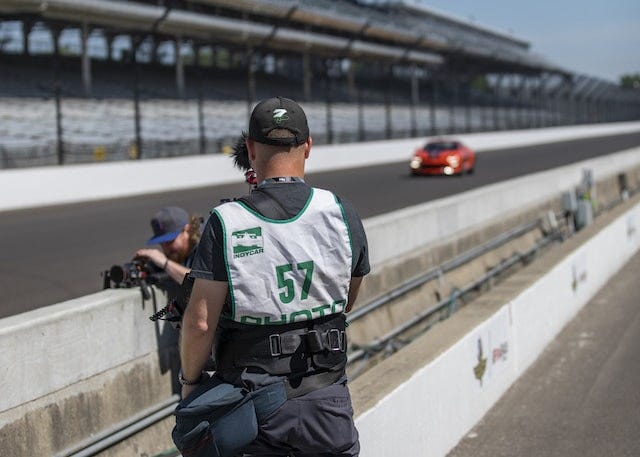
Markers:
{"x": 57, "y": 89}
{"x": 136, "y": 98}
{"x": 453, "y": 99}
{"x": 497, "y": 103}
{"x": 415, "y": 100}
{"x": 387, "y": 104}
{"x": 432, "y": 107}
{"x": 329, "y": 118}
{"x": 467, "y": 107}
{"x": 251, "y": 80}
{"x": 484, "y": 110}
{"x": 201, "y": 133}
{"x": 361, "y": 130}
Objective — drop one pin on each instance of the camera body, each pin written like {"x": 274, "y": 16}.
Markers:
{"x": 139, "y": 273}
{"x": 132, "y": 274}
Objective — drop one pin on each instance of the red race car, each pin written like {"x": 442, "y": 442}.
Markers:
{"x": 443, "y": 157}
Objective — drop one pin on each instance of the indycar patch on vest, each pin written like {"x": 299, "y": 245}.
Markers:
{"x": 247, "y": 242}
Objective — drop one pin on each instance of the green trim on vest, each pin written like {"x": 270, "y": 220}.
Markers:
{"x": 226, "y": 264}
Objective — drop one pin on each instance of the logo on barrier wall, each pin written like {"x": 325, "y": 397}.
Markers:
{"x": 631, "y": 226}
{"x": 480, "y": 369}
{"x": 499, "y": 354}
{"x": 578, "y": 271}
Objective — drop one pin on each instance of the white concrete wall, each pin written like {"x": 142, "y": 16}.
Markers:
{"x": 433, "y": 410}
{"x": 41, "y": 186}
{"x": 56, "y": 346}
{"x": 570, "y": 285}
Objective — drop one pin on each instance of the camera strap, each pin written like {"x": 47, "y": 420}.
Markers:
{"x": 264, "y": 204}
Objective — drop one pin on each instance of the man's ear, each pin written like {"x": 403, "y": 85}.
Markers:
{"x": 251, "y": 150}
{"x": 307, "y": 147}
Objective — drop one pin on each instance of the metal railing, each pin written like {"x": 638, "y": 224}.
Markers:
{"x": 386, "y": 342}
{"x": 445, "y": 267}
{"x": 119, "y": 432}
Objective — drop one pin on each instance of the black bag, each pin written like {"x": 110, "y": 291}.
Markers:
{"x": 218, "y": 419}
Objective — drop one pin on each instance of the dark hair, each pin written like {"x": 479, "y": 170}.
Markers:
{"x": 195, "y": 229}
{"x": 240, "y": 154}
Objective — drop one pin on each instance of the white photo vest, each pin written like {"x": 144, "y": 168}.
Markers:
{"x": 283, "y": 271}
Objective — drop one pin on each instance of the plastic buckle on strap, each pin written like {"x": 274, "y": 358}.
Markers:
{"x": 275, "y": 347}
{"x": 314, "y": 342}
{"x": 336, "y": 340}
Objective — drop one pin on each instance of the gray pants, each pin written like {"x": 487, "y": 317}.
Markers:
{"x": 318, "y": 424}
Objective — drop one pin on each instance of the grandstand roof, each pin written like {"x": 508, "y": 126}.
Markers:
{"x": 400, "y": 22}
{"x": 401, "y": 31}
{"x": 138, "y": 17}
{"x": 416, "y": 6}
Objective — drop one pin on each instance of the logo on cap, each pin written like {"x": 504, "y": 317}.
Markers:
{"x": 280, "y": 115}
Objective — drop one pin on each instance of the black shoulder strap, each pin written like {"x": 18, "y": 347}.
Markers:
{"x": 264, "y": 204}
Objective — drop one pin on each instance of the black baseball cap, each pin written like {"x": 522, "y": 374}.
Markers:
{"x": 167, "y": 224}
{"x": 278, "y": 113}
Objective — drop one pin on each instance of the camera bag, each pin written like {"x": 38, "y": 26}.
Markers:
{"x": 218, "y": 419}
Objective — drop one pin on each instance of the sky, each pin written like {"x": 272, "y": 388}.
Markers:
{"x": 598, "y": 38}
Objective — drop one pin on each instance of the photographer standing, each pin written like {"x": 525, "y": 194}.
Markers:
{"x": 178, "y": 235}
{"x": 274, "y": 273}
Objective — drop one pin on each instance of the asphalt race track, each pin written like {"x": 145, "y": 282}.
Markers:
{"x": 54, "y": 254}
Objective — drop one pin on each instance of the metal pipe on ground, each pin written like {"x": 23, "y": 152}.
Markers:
{"x": 119, "y": 432}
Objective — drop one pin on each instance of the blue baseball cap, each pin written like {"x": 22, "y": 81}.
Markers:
{"x": 167, "y": 224}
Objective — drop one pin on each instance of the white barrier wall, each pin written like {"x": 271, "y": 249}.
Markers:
{"x": 570, "y": 285}
{"x": 57, "y": 346}
{"x": 429, "y": 414}
{"x": 33, "y": 187}
{"x": 440, "y": 403}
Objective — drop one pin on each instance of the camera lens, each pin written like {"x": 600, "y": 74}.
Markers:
{"x": 117, "y": 274}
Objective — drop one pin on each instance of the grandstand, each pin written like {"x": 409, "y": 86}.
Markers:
{"x": 95, "y": 80}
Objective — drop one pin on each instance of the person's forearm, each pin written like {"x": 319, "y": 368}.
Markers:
{"x": 176, "y": 271}
{"x": 196, "y": 341}
{"x": 354, "y": 289}
{"x": 199, "y": 326}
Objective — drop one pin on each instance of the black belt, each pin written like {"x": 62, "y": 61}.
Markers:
{"x": 282, "y": 351}
{"x": 311, "y": 341}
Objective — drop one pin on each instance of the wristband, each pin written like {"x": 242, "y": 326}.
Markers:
{"x": 166, "y": 262}
{"x": 187, "y": 382}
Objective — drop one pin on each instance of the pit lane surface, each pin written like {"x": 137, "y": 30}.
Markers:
{"x": 581, "y": 397}
{"x": 57, "y": 253}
